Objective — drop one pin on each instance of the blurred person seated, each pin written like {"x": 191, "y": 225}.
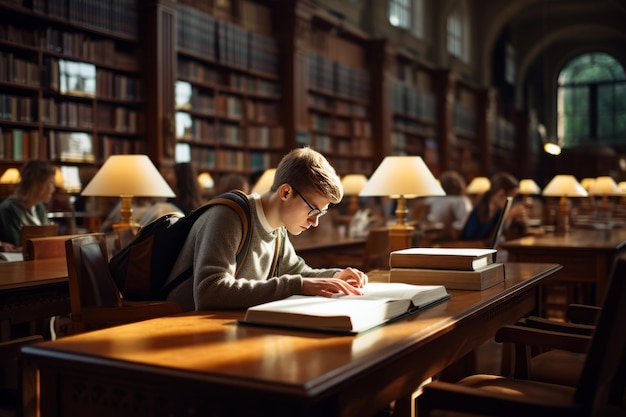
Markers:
{"x": 484, "y": 217}
{"x": 188, "y": 192}
{"x": 447, "y": 214}
{"x": 232, "y": 182}
{"x": 28, "y": 203}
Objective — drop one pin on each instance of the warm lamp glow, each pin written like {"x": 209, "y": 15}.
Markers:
{"x": 528, "y": 187}
{"x": 402, "y": 177}
{"x": 206, "y": 181}
{"x": 59, "y": 180}
{"x": 128, "y": 176}
{"x": 352, "y": 186}
{"x": 264, "y": 183}
{"x": 478, "y": 185}
{"x": 604, "y": 186}
{"x": 587, "y": 183}
{"x": 10, "y": 176}
{"x": 552, "y": 148}
{"x": 622, "y": 186}
{"x": 563, "y": 186}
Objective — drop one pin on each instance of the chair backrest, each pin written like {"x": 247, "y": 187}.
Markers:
{"x": 46, "y": 247}
{"x": 608, "y": 344}
{"x": 500, "y": 226}
{"x": 32, "y": 231}
{"x": 90, "y": 282}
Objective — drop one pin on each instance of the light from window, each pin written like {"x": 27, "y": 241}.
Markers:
{"x": 455, "y": 35}
{"x": 399, "y": 13}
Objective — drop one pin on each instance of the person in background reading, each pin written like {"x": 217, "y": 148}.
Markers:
{"x": 232, "y": 182}
{"x": 304, "y": 186}
{"x": 484, "y": 217}
{"x": 27, "y": 205}
{"x": 188, "y": 193}
{"x": 452, "y": 209}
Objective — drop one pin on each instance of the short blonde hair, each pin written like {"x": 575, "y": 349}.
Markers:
{"x": 309, "y": 170}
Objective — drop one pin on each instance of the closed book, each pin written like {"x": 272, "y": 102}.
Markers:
{"x": 467, "y": 259}
{"x": 452, "y": 279}
{"x": 380, "y": 303}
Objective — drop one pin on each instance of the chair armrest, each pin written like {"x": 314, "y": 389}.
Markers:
{"x": 520, "y": 335}
{"x": 456, "y": 397}
{"x": 556, "y": 326}
{"x": 582, "y": 313}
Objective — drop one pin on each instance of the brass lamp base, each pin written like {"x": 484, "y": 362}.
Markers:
{"x": 401, "y": 234}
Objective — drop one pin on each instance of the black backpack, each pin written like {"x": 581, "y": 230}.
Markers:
{"x": 141, "y": 268}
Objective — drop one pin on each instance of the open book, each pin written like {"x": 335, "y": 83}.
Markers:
{"x": 380, "y": 303}
{"x": 11, "y": 256}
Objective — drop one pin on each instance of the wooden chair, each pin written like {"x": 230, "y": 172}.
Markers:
{"x": 15, "y": 391}
{"x": 46, "y": 247}
{"x": 95, "y": 300}
{"x": 32, "y": 231}
{"x": 502, "y": 396}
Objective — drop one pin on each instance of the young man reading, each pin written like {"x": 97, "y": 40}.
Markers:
{"x": 305, "y": 184}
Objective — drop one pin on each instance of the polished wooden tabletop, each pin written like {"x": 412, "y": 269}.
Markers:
{"x": 212, "y": 351}
{"x": 587, "y": 239}
{"x": 30, "y": 273}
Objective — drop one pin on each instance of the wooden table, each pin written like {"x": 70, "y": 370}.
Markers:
{"x": 32, "y": 290}
{"x": 317, "y": 247}
{"x": 206, "y": 363}
{"x": 586, "y": 255}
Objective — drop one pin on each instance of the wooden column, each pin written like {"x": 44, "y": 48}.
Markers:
{"x": 381, "y": 61}
{"x": 295, "y": 29}
{"x": 486, "y": 114}
{"x": 159, "y": 40}
{"x": 445, "y": 86}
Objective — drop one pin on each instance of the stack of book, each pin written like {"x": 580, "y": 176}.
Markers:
{"x": 455, "y": 268}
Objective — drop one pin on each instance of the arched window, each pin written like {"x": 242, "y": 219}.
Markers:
{"x": 407, "y": 14}
{"x": 591, "y": 101}
{"x": 457, "y": 32}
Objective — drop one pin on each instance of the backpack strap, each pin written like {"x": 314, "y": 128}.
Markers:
{"x": 278, "y": 250}
{"x": 238, "y": 201}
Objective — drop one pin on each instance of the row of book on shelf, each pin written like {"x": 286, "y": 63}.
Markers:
{"x": 418, "y": 278}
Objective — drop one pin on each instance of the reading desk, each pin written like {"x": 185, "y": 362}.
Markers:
{"x": 32, "y": 290}
{"x": 586, "y": 254}
{"x": 206, "y": 363}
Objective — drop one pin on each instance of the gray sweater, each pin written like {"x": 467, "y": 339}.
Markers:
{"x": 211, "y": 248}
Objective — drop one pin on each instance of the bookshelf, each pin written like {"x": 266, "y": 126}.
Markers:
{"x": 338, "y": 96}
{"x": 70, "y": 81}
{"x": 228, "y": 89}
{"x": 413, "y": 107}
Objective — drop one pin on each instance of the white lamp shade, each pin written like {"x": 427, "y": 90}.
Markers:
{"x": 353, "y": 183}
{"x": 564, "y": 185}
{"x": 128, "y": 175}
{"x": 10, "y": 176}
{"x": 402, "y": 176}
{"x": 605, "y": 185}
{"x": 587, "y": 183}
{"x": 478, "y": 185}
{"x": 528, "y": 187}
{"x": 622, "y": 186}
{"x": 265, "y": 181}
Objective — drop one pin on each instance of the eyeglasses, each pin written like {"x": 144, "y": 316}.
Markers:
{"x": 314, "y": 211}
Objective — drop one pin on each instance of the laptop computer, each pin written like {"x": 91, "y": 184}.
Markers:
{"x": 497, "y": 232}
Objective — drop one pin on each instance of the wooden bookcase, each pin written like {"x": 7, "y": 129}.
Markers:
{"x": 228, "y": 90}
{"x": 338, "y": 94}
{"x": 70, "y": 81}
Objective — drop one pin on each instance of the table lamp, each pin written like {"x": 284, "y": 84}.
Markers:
{"x": 604, "y": 186}
{"x": 587, "y": 183}
{"x": 352, "y": 186}
{"x": 265, "y": 181}
{"x": 10, "y": 176}
{"x": 128, "y": 176}
{"x": 401, "y": 177}
{"x": 563, "y": 186}
{"x": 206, "y": 181}
{"x": 478, "y": 185}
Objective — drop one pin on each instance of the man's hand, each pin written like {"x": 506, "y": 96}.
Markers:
{"x": 327, "y": 287}
{"x": 353, "y": 276}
